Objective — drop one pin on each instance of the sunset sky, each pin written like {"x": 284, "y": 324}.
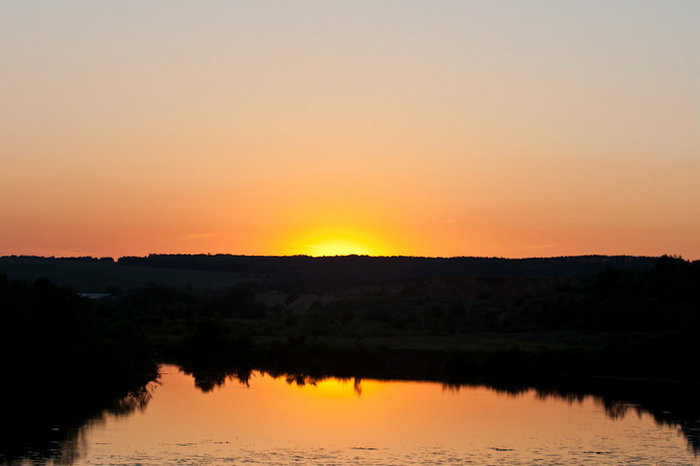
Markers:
{"x": 433, "y": 128}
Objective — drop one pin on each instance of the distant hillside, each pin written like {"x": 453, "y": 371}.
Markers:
{"x": 221, "y": 270}
{"x": 366, "y": 270}
{"x": 93, "y": 274}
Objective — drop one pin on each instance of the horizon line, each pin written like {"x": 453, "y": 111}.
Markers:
{"x": 395, "y": 256}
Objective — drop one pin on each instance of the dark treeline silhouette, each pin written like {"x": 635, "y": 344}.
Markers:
{"x": 620, "y": 322}
{"x": 63, "y": 362}
{"x": 69, "y": 337}
{"x": 305, "y": 273}
{"x": 364, "y": 270}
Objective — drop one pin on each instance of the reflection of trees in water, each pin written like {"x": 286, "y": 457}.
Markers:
{"x": 59, "y": 433}
{"x": 208, "y": 379}
{"x": 136, "y": 401}
{"x": 301, "y": 380}
{"x": 670, "y": 404}
{"x": 673, "y": 411}
{"x": 673, "y": 405}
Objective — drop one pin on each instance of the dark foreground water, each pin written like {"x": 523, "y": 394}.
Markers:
{"x": 297, "y": 420}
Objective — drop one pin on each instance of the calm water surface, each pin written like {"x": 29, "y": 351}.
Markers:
{"x": 331, "y": 421}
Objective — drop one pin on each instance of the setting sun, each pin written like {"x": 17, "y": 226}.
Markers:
{"x": 338, "y": 247}
{"x": 337, "y": 242}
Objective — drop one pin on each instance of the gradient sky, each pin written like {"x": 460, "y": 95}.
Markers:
{"x": 498, "y": 128}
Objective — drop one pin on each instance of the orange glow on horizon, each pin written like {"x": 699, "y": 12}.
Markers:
{"x": 337, "y": 242}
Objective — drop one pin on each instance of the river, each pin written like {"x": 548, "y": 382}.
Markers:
{"x": 301, "y": 420}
